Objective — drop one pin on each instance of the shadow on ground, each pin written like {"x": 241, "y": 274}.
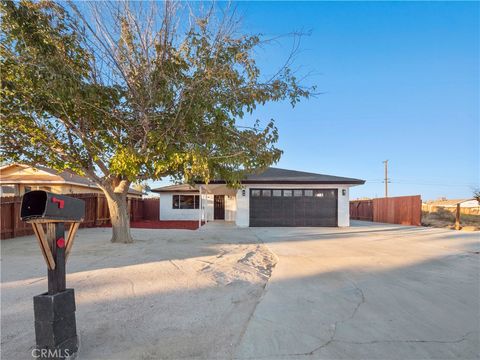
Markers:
{"x": 362, "y": 292}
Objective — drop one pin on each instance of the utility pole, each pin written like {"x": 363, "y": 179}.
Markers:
{"x": 386, "y": 177}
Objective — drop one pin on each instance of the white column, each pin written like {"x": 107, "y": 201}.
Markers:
{"x": 200, "y": 208}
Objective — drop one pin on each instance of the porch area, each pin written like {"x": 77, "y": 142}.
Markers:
{"x": 200, "y": 203}
{"x": 217, "y": 203}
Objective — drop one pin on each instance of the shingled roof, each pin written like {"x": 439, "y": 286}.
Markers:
{"x": 176, "y": 188}
{"x": 50, "y": 176}
{"x": 285, "y": 176}
{"x": 276, "y": 176}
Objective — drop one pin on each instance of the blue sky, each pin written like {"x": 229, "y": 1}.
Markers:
{"x": 399, "y": 81}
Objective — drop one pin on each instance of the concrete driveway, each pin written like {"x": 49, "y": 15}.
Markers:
{"x": 367, "y": 292}
{"x": 364, "y": 292}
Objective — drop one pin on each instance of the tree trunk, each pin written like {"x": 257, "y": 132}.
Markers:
{"x": 119, "y": 217}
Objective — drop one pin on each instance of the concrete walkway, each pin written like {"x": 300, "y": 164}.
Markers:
{"x": 367, "y": 292}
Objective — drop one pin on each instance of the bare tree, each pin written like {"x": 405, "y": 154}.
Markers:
{"x": 123, "y": 92}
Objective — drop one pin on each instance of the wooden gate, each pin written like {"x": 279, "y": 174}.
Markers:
{"x": 403, "y": 210}
{"x": 361, "y": 210}
{"x": 151, "y": 209}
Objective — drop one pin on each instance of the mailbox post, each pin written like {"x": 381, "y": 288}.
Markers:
{"x": 55, "y": 325}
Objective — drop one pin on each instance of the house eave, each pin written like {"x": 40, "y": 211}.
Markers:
{"x": 175, "y": 191}
{"x": 292, "y": 182}
{"x": 57, "y": 183}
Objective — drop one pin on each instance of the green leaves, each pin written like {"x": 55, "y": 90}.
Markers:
{"x": 131, "y": 97}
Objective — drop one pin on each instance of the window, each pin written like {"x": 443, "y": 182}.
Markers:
{"x": 308, "y": 192}
{"x": 287, "y": 192}
{"x": 319, "y": 193}
{"x": 266, "y": 192}
{"x": 256, "y": 193}
{"x": 297, "y": 192}
{"x": 185, "y": 201}
{"x": 28, "y": 188}
{"x": 7, "y": 190}
{"x": 277, "y": 192}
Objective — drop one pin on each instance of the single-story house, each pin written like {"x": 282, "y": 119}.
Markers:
{"x": 275, "y": 197}
{"x": 17, "y": 179}
{"x": 467, "y": 206}
{"x": 452, "y": 203}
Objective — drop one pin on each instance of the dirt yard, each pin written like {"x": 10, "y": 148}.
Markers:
{"x": 446, "y": 219}
{"x": 168, "y": 295}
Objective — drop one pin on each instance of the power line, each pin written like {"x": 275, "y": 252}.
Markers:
{"x": 390, "y": 181}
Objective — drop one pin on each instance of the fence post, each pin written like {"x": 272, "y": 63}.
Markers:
{"x": 95, "y": 210}
{"x": 16, "y": 216}
{"x": 12, "y": 213}
{"x": 457, "y": 218}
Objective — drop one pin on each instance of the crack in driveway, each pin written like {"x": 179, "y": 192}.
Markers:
{"x": 340, "y": 322}
{"x": 456, "y": 341}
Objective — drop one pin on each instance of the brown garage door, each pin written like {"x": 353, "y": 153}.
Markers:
{"x": 293, "y": 207}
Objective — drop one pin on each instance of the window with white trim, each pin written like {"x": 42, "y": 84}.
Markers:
{"x": 185, "y": 201}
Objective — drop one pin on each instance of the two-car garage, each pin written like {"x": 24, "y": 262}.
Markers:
{"x": 293, "y": 207}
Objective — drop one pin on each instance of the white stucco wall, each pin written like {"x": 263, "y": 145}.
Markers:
{"x": 343, "y": 206}
{"x": 243, "y": 206}
{"x": 168, "y": 213}
{"x": 243, "y": 202}
{"x": 207, "y": 204}
{"x": 230, "y": 208}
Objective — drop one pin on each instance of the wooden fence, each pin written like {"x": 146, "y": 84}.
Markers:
{"x": 361, "y": 210}
{"x": 404, "y": 210}
{"x": 96, "y": 213}
{"x": 151, "y": 209}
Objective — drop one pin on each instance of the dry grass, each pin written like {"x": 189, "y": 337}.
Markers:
{"x": 446, "y": 219}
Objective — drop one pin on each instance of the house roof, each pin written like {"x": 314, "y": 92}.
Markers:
{"x": 274, "y": 176}
{"x": 214, "y": 189}
{"x": 284, "y": 176}
{"x": 176, "y": 188}
{"x": 451, "y": 202}
{"x": 49, "y": 176}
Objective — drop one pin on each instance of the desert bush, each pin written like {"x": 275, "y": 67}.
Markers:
{"x": 445, "y": 218}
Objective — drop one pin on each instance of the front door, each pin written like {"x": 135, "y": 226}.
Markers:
{"x": 219, "y": 207}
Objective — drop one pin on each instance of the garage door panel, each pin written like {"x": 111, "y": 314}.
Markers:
{"x": 299, "y": 211}
{"x": 310, "y": 211}
{"x": 326, "y": 217}
{"x": 293, "y": 207}
{"x": 288, "y": 218}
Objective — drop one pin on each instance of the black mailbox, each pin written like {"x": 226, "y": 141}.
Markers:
{"x": 45, "y": 206}
{"x": 55, "y": 324}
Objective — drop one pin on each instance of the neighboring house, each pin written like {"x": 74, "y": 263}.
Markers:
{"x": 17, "y": 179}
{"x": 276, "y": 197}
{"x": 467, "y": 206}
{"x": 464, "y": 203}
